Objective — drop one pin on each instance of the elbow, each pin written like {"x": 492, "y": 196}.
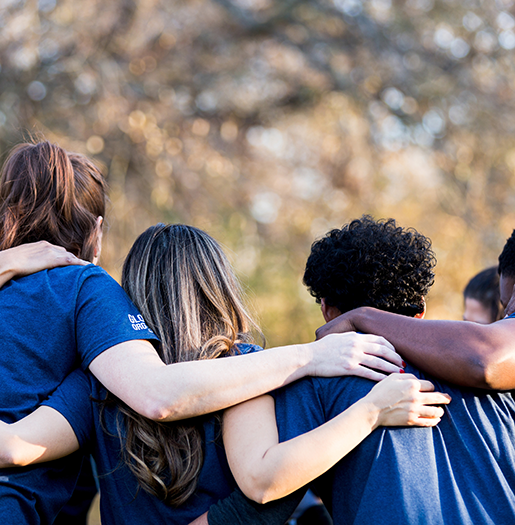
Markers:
{"x": 156, "y": 411}
{"x": 488, "y": 362}
{"x": 7, "y": 460}
{"x": 260, "y": 490}
{"x": 268, "y": 496}
{"x": 11, "y": 457}
{"x": 489, "y": 378}
{"x": 157, "y": 408}
{"x": 497, "y": 376}
{"x": 478, "y": 374}
{"x": 257, "y": 494}
{"x": 488, "y": 373}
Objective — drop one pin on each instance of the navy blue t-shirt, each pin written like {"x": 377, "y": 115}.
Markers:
{"x": 52, "y": 322}
{"x": 122, "y": 501}
{"x": 462, "y": 471}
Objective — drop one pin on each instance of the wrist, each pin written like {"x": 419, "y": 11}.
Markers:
{"x": 357, "y": 318}
{"x": 308, "y": 355}
{"x": 6, "y": 266}
{"x": 371, "y": 412}
{"x": 305, "y": 360}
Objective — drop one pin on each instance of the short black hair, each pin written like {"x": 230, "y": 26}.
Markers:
{"x": 371, "y": 263}
{"x": 507, "y": 258}
{"x": 484, "y": 287}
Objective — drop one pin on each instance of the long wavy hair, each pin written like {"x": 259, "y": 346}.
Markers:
{"x": 49, "y": 194}
{"x": 185, "y": 288}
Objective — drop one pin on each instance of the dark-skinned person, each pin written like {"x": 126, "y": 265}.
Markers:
{"x": 467, "y": 354}
{"x": 461, "y": 471}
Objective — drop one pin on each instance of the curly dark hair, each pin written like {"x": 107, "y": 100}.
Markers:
{"x": 507, "y": 258}
{"x": 371, "y": 263}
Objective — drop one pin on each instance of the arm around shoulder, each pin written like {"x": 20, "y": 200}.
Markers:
{"x": 34, "y": 257}
{"x": 266, "y": 469}
{"x": 41, "y": 436}
{"x": 464, "y": 353}
{"x": 134, "y": 372}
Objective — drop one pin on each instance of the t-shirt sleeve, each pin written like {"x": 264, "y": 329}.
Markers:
{"x": 72, "y": 400}
{"x": 247, "y": 348}
{"x": 336, "y": 394}
{"x": 105, "y": 316}
{"x": 237, "y": 509}
{"x": 298, "y": 408}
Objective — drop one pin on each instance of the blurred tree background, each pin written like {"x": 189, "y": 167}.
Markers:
{"x": 267, "y": 123}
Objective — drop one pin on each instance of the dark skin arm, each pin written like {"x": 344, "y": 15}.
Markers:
{"x": 464, "y": 353}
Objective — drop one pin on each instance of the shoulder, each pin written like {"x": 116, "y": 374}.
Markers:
{"x": 54, "y": 276}
{"x": 92, "y": 271}
{"x": 75, "y": 272}
{"x": 338, "y": 393}
{"x": 58, "y": 286}
{"x": 93, "y": 280}
{"x": 83, "y": 282}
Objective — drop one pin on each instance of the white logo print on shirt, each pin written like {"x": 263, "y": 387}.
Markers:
{"x": 138, "y": 323}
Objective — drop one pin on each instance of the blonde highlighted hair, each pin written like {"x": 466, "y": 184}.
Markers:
{"x": 185, "y": 288}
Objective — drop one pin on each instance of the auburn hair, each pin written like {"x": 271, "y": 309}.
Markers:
{"x": 51, "y": 195}
{"x": 185, "y": 288}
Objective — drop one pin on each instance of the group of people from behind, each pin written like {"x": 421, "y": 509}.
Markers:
{"x": 157, "y": 367}
{"x": 89, "y": 363}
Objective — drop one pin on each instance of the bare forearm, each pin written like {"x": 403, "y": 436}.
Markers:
{"x": 207, "y": 386}
{"x": 134, "y": 373}
{"x": 41, "y": 436}
{"x": 184, "y": 390}
{"x": 287, "y": 466}
{"x": 33, "y": 257}
{"x": 464, "y": 353}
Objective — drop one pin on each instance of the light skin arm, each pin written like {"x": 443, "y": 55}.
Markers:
{"x": 34, "y": 257}
{"x": 201, "y": 520}
{"x": 465, "y": 353}
{"x": 266, "y": 470}
{"x": 134, "y": 372}
{"x": 41, "y": 436}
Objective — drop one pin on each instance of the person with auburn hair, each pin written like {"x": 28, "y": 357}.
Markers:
{"x": 59, "y": 319}
{"x": 187, "y": 292}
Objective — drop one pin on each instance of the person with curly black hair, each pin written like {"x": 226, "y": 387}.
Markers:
{"x": 464, "y": 353}
{"x": 462, "y": 471}
{"x": 360, "y": 265}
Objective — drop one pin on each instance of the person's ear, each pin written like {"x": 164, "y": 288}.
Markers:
{"x": 98, "y": 242}
{"x": 329, "y": 312}
{"x": 421, "y": 315}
